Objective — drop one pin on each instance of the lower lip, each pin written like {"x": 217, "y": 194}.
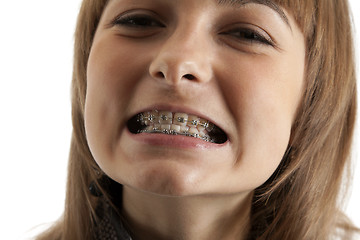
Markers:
{"x": 173, "y": 141}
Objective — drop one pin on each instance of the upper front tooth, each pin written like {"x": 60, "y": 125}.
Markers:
{"x": 165, "y": 117}
{"x": 156, "y": 118}
{"x": 180, "y": 119}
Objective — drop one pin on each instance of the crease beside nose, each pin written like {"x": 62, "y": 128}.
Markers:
{"x": 174, "y": 65}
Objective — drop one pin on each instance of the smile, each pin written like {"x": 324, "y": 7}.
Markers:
{"x": 172, "y": 123}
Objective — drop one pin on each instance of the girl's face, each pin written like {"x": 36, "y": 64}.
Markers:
{"x": 231, "y": 72}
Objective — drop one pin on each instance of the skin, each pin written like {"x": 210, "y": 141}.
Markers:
{"x": 250, "y": 88}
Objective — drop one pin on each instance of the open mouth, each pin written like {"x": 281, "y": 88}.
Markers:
{"x": 165, "y": 122}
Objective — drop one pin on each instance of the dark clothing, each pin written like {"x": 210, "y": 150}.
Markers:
{"x": 110, "y": 225}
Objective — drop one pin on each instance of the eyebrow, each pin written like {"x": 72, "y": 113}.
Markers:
{"x": 268, "y": 3}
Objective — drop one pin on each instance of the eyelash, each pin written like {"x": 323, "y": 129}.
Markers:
{"x": 249, "y": 35}
{"x": 137, "y": 21}
{"x": 143, "y": 21}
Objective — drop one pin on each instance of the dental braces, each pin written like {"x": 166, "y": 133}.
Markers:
{"x": 152, "y": 118}
{"x": 172, "y": 132}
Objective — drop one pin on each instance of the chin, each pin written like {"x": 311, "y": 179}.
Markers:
{"x": 165, "y": 181}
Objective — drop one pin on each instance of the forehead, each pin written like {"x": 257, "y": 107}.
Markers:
{"x": 272, "y": 4}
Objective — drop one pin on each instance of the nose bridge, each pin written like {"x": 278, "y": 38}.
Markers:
{"x": 183, "y": 55}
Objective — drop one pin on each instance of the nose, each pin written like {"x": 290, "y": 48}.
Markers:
{"x": 183, "y": 56}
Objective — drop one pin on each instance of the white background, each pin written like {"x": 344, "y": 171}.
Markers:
{"x": 36, "y": 45}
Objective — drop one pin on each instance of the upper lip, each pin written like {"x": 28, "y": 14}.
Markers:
{"x": 181, "y": 109}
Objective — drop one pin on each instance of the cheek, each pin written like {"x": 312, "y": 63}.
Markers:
{"x": 112, "y": 72}
{"x": 264, "y": 98}
{"x": 111, "y": 81}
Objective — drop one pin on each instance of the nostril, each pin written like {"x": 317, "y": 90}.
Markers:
{"x": 159, "y": 75}
{"x": 189, "y": 76}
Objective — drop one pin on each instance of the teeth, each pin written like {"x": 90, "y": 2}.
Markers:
{"x": 193, "y": 120}
{"x": 184, "y": 129}
{"x": 165, "y": 127}
{"x": 175, "y": 128}
{"x": 180, "y": 119}
{"x": 203, "y": 124}
{"x": 176, "y": 124}
{"x": 202, "y": 134}
{"x": 165, "y": 117}
{"x": 149, "y": 128}
{"x": 193, "y": 130}
{"x": 151, "y": 117}
{"x": 157, "y": 127}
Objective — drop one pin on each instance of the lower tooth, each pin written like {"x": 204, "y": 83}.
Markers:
{"x": 184, "y": 129}
{"x": 200, "y": 128}
{"x": 175, "y": 128}
{"x": 157, "y": 127}
{"x": 193, "y": 130}
{"x": 165, "y": 127}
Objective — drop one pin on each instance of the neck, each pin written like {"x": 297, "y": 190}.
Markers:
{"x": 152, "y": 216}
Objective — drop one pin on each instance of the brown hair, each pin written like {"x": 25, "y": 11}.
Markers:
{"x": 301, "y": 199}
